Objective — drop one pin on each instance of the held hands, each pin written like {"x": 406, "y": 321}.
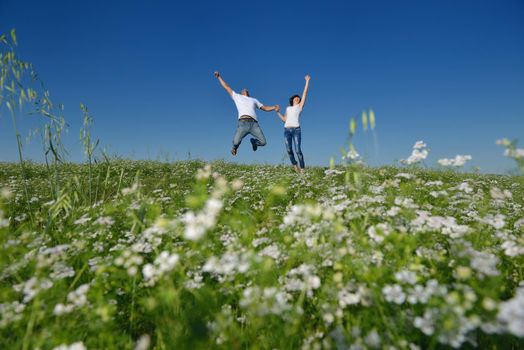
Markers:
{"x": 277, "y": 108}
{"x": 307, "y": 77}
{"x": 216, "y": 74}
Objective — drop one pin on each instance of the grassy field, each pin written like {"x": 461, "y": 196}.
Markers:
{"x": 189, "y": 255}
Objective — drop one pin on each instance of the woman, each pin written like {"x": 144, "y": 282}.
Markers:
{"x": 292, "y": 132}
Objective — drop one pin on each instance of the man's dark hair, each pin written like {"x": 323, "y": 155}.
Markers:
{"x": 292, "y": 98}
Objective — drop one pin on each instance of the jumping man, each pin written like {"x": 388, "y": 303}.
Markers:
{"x": 247, "y": 117}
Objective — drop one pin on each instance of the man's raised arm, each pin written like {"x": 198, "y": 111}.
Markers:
{"x": 223, "y": 83}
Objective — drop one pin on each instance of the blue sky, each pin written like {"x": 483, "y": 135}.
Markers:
{"x": 448, "y": 72}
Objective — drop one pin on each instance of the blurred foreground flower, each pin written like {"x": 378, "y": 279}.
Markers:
{"x": 419, "y": 153}
{"x": 511, "y": 313}
{"x": 198, "y": 223}
{"x": 75, "y": 346}
{"x": 511, "y": 151}
{"x": 163, "y": 264}
{"x": 458, "y": 161}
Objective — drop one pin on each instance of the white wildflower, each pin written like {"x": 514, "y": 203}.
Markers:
{"x": 349, "y": 296}
{"x": 517, "y": 153}
{"x": 76, "y": 299}
{"x": 352, "y": 154}
{"x": 393, "y": 211}
{"x": 105, "y": 221}
{"x": 503, "y": 142}
{"x": 373, "y": 339}
{"x": 406, "y": 276}
{"x": 204, "y": 173}
{"x": 465, "y": 187}
{"x": 3, "y": 222}
{"x": 511, "y": 313}
{"x": 499, "y": 195}
{"x": 265, "y": 301}
{"x": 418, "y": 295}
{"x": 419, "y": 153}
{"x": 198, "y": 223}
{"x": 308, "y": 281}
{"x": 75, "y": 346}
{"x": 511, "y": 248}
{"x": 394, "y": 294}
{"x": 426, "y": 323}
{"x": 164, "y": 263}
{"x": 228, "y": 264}
{"x": 484, "y": 263}
{"x": 6, "y": 193}
{"x": 458, "y": 161}
{"x": 328, "y": 318}
{"x": 85, "y": 218}
{"x": 497, "y": 221}
{"x": 272, "y": 251}
{"x": 143, "y": 342}
{"x": 130, "y": 190}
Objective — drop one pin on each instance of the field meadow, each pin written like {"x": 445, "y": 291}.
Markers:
{"x": 122, "y": 254}
{"x": 198, "y": 255}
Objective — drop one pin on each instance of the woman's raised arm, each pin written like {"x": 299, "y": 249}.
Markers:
{"x": 304, "y": 94}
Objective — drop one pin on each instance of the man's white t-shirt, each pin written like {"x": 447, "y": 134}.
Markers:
{"x": 293, "y": 116}
{"x": 246, "y": 105}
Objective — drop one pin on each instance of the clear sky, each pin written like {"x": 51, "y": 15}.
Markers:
{"x": 448, "y": 72}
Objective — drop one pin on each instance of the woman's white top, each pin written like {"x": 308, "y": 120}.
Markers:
{"x": 293, "y": 116}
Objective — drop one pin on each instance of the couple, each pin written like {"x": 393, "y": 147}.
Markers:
{"x": 248, "y": 123}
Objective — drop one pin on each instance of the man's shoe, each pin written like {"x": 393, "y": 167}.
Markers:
{"x": 234, "y": 151}
{"x": 254, "y": 144}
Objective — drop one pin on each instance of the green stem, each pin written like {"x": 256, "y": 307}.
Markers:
{"x": 22, "y": 165}
{"x": 120, "y": 181}
{"x": 132, "y": 317}
{"x": 78, "y": 275}
{"x": 106, "y": 180}
{"x": 30, "y": 324}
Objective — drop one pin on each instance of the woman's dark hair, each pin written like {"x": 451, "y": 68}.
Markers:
{"x": 292, "y": 98}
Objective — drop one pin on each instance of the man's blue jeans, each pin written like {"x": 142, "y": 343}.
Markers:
{"x": 249, "y": 127}
{"x": 294, "y": 136}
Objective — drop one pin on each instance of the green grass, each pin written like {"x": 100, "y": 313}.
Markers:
{"x": 356, "y": 257}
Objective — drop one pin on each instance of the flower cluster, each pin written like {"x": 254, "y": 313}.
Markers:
{"x": 164, "y": 263}
{"x": 227, "y": 265}
{"x": 130, "y": 260}
{"x": 196, "y": 224}
{"x": 10, "y": 312}
{"x": 301, "y": 279}
{"x": 458, "y": 161}
{"x": 32, "y": 287}
{"x": 511, "y": 313}
{"x": 76, "y": 299}
{"x": 305, "y": 214}
{"x": 419, "y": 153}
{"x": 511, "y": 151}
{"x": 74, "y": 346}
{"x": 264, "y": 301}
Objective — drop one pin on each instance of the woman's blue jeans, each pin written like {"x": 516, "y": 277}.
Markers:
{"x": 293, "y": 136}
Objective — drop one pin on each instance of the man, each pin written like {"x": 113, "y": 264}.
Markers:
{"x": 247, "y": 117}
